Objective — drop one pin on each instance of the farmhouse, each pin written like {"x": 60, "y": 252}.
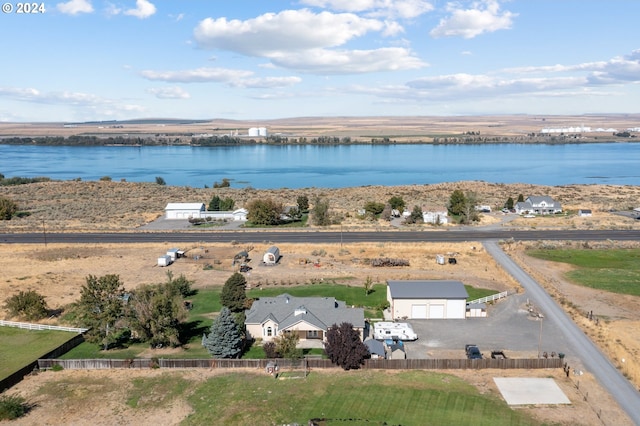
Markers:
{"x": 538, "y": 205}
{"x": 309, "y": 317}
{"x": 425, "y": 299}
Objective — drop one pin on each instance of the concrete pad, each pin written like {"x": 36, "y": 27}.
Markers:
{"x": 528, "y": 391}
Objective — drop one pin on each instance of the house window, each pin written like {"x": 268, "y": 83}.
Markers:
{"x": 312, "y": 334}
{"x": 269, "y": 332}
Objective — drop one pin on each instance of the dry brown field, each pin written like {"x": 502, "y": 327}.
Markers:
{"x": 58, "y": 271}
{"x": 358, "y": 128}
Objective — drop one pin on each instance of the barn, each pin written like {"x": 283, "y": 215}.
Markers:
{"x": 427, "y": 299}
{"x": 183, "y": 210}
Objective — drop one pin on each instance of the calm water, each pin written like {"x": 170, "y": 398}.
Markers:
{"x": 332, "y": 166}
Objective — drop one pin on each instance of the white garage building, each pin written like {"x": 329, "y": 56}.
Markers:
{"x": 183, "y": 210}
{"x": 427, "y": 299}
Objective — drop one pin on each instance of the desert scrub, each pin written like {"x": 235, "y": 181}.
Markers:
{"x": 12, "y": 407}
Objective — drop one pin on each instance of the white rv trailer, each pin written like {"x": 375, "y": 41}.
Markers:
{"x": 384, "y": 330}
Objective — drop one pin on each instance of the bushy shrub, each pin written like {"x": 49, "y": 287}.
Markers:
{"x": 29, "y": 305}
{"x": 12, "y": 407}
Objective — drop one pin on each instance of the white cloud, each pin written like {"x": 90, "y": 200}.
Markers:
{"x": 483, "y": 17}
{"x": 389, "y": 8}
{"x": 286, "y": 31}
{"x": 97, "y": 104}
{"x": 324, "y": 61}
{"x": 302, "y": 40}
{"x": 231, "y": 77}
{"x": 199, "y": 75}
{"x": 143, "y": 9}
{"x": 74, "y": 7}
{"x": 169, "y": 92}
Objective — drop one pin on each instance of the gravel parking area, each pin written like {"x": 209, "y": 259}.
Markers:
{"x": 508, "y": 327}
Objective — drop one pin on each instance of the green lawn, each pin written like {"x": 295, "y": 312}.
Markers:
{"x": 615, "y": 270}
{"x": 362, "y": 397}
{"x": 206, "y": 303}
{"x": 19, "y": 347}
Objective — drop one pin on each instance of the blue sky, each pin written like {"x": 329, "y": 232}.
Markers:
{"x": 104, "y": 60}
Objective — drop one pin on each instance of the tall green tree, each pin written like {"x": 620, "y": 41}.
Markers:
{"x": 264, "y": 212}
{"x": 344, "y": 347}
{"x": 415, "y": 216}
{"x": 224, "y": 339}
{"x": 221, "y": 204}
{"x": 303, "y": 203}
{"x": 234, "y": 294}
{"x": 7, "y": 208}
{"x": 28, "y": 305}
{"x": 457, "y": 203}
{"x": 100, "y": 307}
{"x": 320, "y": 213}
{"x": 397, "y": 203}
{"x": 520, "y": 198}
{"x": 154, "y": 313}
{"x": 509, "y": 204}
{"x": 373, "y": 208}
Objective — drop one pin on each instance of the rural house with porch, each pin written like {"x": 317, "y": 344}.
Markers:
{"x": 538, "y": 205}
{"x": 309, "y": 317}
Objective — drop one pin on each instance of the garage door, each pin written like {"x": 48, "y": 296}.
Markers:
{"x": 419, "y": 311}
{"x": 436, "y": 311}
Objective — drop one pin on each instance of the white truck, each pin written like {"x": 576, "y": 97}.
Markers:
{"x": 384, "y": 330}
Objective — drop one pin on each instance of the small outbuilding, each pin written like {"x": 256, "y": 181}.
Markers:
{"x": 164, "y": 260}
{"x": 427, "y": 299}
{"x": 272, "y": 256}
{"x": 584, "y": 212}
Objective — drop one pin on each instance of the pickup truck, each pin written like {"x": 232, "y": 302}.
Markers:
{"x": 473, "y": 352}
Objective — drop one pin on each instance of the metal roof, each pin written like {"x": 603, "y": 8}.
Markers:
{"x": 427, "y": 289}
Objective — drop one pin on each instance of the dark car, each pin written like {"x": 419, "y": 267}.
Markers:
{"x": 473, "y": 352}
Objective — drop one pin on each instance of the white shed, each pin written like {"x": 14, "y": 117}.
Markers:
{"x": 183, "y": 210}
{"x": 427, "y": 299}
{"x": 272, "y": 256}
{"x": 164, "y": 260}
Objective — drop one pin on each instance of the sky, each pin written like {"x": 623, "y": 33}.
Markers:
{"x": 86, "y": 60}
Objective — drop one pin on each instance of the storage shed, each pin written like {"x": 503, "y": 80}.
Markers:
{"x": 272, "y": 256}
{"x": 164, "y": 260}
{"x": 427, "y": 299}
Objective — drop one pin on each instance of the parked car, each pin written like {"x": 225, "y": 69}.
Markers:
{"x": 473, "y": 352}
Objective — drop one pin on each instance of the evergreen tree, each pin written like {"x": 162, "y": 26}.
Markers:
{"x": 303, "y": 203}
{"x": 233, "y": 294}
{"x": 509, "y": 203}
{"x": 224, "y": 340}
{"x": 99, "y": 307}
{"x": 344, "y": 347}
{"x": 457, "y": 203}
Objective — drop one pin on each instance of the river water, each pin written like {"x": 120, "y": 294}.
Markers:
{"x": 333, "y": 166}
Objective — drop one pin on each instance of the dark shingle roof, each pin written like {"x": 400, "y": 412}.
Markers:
{"x": 423, "y": 289}
{"x": 321, "y": 312}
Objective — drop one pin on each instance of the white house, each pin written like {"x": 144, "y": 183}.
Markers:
{"x": 538, "y": 205}
{"x": 197, "y": 210}
{"x": 437, "y": 217}
{"x": 427, "y": 299}
{"x": 309, "y": 317}
{"x": 183, "y": 210}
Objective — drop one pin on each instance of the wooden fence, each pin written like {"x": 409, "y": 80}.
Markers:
{"x": 382, "y": 364}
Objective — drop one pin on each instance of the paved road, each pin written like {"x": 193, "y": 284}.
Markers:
{"x": 253, "y": 236}
{"x": 594, "y": 360}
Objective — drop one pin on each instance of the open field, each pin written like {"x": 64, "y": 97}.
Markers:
{"x": 357, "y": 128}
{"x": 152, "y": 397}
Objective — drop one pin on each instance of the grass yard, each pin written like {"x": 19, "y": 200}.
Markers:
{"x": 614, "y": 270}
{"x": 19, "y": 347}
{"x": 356, "y": 397}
